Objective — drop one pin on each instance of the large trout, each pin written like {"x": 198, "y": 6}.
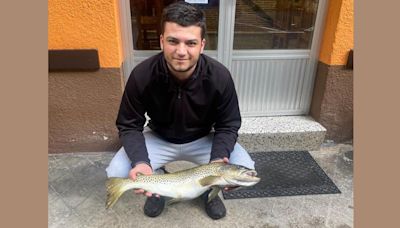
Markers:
{"x": 186, "y": 184}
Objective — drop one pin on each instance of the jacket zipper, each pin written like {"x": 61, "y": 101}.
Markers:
{"x": 179, "y": 114}
{"x": 179, "y": 93}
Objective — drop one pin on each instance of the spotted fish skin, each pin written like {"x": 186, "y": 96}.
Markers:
{"x": 183, "y": 185}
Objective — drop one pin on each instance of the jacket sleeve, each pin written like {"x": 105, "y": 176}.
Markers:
{"x": 130, "y": 122}
{"x": 228, "y": 122}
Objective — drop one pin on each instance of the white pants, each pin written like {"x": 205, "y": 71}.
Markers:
{"x": 162, "y": 152}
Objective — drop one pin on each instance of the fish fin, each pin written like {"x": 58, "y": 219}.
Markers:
{"x": 115, "y": 188}
{"x": 213, "y": 193}
{"x": 172, "y": 201}
{"x": 210, "y": 180}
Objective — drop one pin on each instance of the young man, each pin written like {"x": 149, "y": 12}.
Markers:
{"x": 185, "y": 94}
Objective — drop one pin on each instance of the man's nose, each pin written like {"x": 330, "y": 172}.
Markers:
{"x": 181, "y": 49}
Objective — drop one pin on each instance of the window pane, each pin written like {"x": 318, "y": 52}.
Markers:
{"x": 274, "y": 24}
{"x": 146, "y": 27}
{"x": 211, "y": 11}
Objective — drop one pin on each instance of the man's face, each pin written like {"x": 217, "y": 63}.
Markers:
{"x": 182, "y": 47}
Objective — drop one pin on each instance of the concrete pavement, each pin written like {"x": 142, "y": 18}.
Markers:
{"x": 76, "y": 198}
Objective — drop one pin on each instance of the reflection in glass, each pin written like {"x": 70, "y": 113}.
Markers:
{"x": 146, "y": 27}
{"x": 274, "y": 24}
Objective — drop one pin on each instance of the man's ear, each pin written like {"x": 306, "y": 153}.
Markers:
{"x": 203, "y": 44}
{"x": 161, "y": 41}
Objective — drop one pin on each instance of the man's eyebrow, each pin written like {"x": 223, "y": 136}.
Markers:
{"x": 174, "y": 38}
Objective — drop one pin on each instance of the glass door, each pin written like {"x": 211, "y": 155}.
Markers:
{"x": 274, "y": 24}
{"x": 270, "y": 47}
{"x": 274, "y": 55}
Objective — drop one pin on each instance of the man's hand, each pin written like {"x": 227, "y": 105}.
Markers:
{"x": 144, "y": 169}
{"x": 225, "y": 160}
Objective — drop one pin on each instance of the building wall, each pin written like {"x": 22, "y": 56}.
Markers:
{"x": 85, "y": 24}
{"x": 83, "y": 105}
{"x": 332, "y": 102}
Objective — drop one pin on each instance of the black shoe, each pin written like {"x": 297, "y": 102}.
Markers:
{"x": 154, "y": 206}
{"x": 215, "y": 208}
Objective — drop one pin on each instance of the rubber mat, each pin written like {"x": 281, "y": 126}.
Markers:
{"x": 285, "y": 173}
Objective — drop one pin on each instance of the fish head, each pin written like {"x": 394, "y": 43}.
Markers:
{"x": 236, "y": 175}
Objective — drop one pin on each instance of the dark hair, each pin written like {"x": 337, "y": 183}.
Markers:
{"x": 184, "y": 14}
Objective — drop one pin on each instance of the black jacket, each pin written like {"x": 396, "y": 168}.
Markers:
{"x": 179, "y": 113}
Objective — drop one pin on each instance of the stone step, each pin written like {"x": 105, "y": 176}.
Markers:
{"x": 281, "y": 133}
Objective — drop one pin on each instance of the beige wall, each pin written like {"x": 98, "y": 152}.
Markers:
{"x": 82, "y": 110}
{"x": 332, "y": 102}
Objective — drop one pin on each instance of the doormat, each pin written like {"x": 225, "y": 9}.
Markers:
{"x": 285, "y": 173}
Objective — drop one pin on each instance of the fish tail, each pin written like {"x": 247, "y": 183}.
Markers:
{"x": 115, "y": 188}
